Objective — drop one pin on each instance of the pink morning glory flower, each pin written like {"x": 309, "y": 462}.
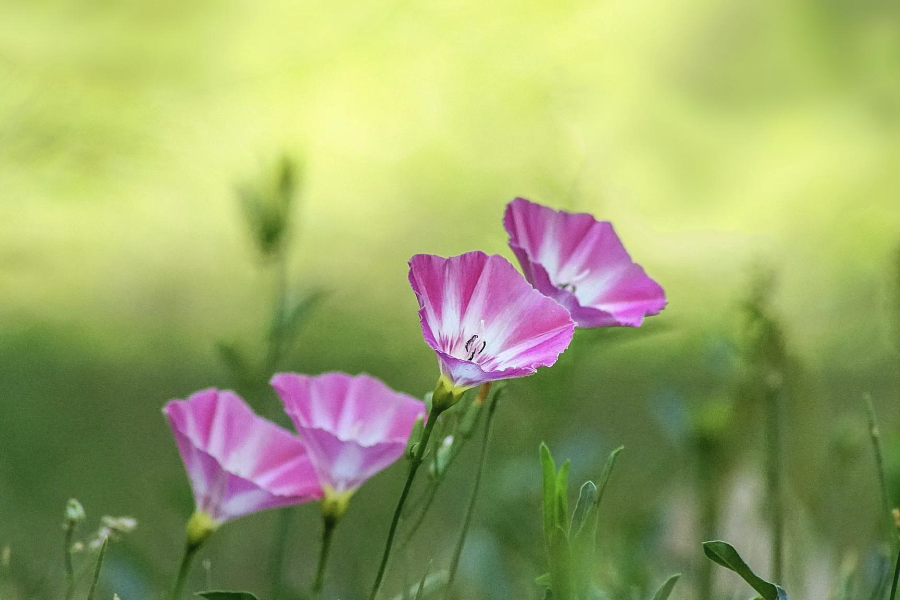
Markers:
{"x": 483, "y": 320}
{"x": 352, "y": 426}
{"x": 581, "y": 263}
{"x": 238, "y": 462}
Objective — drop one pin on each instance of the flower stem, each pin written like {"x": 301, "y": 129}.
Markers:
{"x": 896, "y": 576}
{"x": 414, "y": 464}
{"x": 329, "y": 523}
{"x": 773, "y": 476}
{"x": 457, "y": 554}
{"x": 189, "y": 551}
{"x": 70, "y": 568}
{"x": 97, "y": 569}
{"x": 875, "y": 438}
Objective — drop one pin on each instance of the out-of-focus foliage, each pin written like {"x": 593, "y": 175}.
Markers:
{"x": 713, "y": 134}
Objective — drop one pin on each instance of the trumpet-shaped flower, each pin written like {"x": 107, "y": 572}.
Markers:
{"x": 352, "y": 426}
{"x": 238, "y": 462}
{"x": 581, "y": 263}
{"x": 483, "y": 320}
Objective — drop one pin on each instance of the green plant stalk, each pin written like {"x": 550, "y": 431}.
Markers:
{"x": 190, "y": 550}
{"x": 875, "y": 437}
{"x": 276, "y": 337}
{"x": 470, "y": 510}
{"x": 329, "y": 524}
{"x": 709, "y": 516}
{"x": 896, "y": 576}
{"x": 96, "y": 578}
{"x": 70, "y": 567}
{"x": 773, "y": 477}
{"x": 414, "y": 465}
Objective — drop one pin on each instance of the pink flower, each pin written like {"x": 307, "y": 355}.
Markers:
{"x": 483, "y": 319}
{"x": 353, "y": 427}
{"x": 238, "y": 462}
{"x": 580, "y": 262}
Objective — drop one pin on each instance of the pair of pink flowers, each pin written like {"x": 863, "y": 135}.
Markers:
{"x": 238, "y": 463}
{"x": 486, "y": 322}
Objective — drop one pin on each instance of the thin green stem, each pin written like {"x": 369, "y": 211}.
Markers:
{"x": 70, "y": 567}
{"x": 189, "y": 551}
{"x": 709, "y": 516}
{"x": 276, "y": 560}
{"x": 328, "y": 525}
{"x": 470, "y": 510}
{"x": 431, "y": 494}
{"x": 414, "y": 465}
{"x": 97, "y": 569}
{"x": 276, "y": 331}
{"x": 896, "y": 576}
{"x": 875, "y": 437}
{"x": 773, "y": 476}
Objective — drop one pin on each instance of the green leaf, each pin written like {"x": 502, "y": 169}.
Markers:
{"x": 548, "y": 469}
{"x": 561, "y": 580}
{"x": 725, "y": 555}
{"x": 222, "y": 595}
{"x": 543, "y": 580}
{"x": 562, "y": 497}
{"x": 301, "y": 311}
{"x": 666, "y": 588}
{"x": 587, "y": 498}
{"x": 607, "y": 471}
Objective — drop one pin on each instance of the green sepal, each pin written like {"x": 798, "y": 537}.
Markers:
{"x": 723, "y": 554}
{"x": 665, "y": 590}
{"x": 415, "y": 437}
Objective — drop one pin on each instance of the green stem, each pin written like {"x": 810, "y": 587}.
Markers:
{"x": 189, "y": 551}
{"x": 414, "y": 464}
{"x": 773, "y": 447}
{"x": 329, "y": 523}
{"x": 896, "y": 576}
{"x": 70, "y": 567}
{"x": 276, "y": 561}
{"x": 470, "y": 510}
{"x": 431, "y": 494}
{"x": 875, "y": 437}
{"x": 277, "y": 327}
{"x": 709, "y": 516}
{"x": 99, "y": 566}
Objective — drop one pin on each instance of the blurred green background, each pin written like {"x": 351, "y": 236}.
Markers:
{"x": 713, "y": 134}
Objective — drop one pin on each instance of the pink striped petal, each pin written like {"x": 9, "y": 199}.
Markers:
{"x": 484, "y": 321}
{"x": 581, "y": 263}
{"x": 238, "y": 462}
{"x": 353, "y": 427}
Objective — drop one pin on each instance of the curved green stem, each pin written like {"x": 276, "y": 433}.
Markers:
{"x": 329, "y": 523}
{"x": 414, "y": 465}
{"x": 99, "y": 566}
{"x": 70, "y": 568}
{"x": 189, "y": 551}
{"x": 470, "y": 510}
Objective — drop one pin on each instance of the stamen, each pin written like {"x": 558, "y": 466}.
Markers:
{"x": 568, "y": 287}
{"x": 469, "y": 343}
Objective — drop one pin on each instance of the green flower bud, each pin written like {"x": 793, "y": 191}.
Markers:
{"x": 74, "y": 512}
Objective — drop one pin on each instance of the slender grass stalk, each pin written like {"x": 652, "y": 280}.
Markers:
{"x": 773, "y": 476}
{"x": 189, "y": 551}
{"x": 896, "y": 576}
{"x": 70, "y": 567}
{"x": 414, "y": 465}
{"x": 875, "y": 437}
{"x": 430, "y": 495}
{"x": 470, "y": 510}
{"x": 97, "y": 569}
{"x": 329, "y": 523}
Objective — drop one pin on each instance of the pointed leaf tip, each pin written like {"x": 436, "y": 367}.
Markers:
{"x": 665, "y": 590}
{"x": 223, "y": 595}
{"x": 723, "y": 554}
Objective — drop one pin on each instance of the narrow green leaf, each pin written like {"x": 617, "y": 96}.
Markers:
{"x": 222, "y": 595}
{"x": 548, "y": 469}
{"x": 421, "y": 589}
{"x": 607, "y": 471}
{"x": 666, "y": 588}
{"x": 725, "y": 555}
{"x": 301, "y": 311}
{"x": 587, "y": 497}
{"x": 562, "y": 497}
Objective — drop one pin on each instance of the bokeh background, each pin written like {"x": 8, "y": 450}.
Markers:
{"x": 715, "y": 135}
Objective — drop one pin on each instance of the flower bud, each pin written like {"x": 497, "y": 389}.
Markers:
{"x": 443, "y": 456}
{"x": 74, "y": 512}
{"x": 415, "y": 437}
